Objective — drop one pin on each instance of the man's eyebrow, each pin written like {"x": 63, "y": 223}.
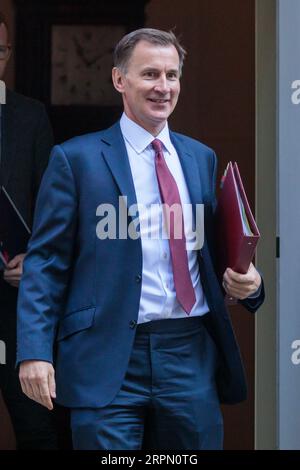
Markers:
{"x": 155, "y": 69}
{"x": 151, "y": 69}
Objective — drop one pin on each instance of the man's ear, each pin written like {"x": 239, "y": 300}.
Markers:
{"x": 9, "y": 54}
{"x": 118, "y": 79}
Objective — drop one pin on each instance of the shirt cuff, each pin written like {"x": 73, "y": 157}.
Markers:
{"x": 256, "y": 293}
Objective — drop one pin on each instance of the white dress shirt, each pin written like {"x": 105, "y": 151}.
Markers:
{"x": 158, "y": 296}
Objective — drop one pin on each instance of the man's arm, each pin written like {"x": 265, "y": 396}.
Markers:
{"x": 45, "y": 279}
{"x": 43, "y": 142}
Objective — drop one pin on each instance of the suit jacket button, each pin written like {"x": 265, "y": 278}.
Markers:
{"x": 132, "y": 324}
{"x": 138, "y": 279}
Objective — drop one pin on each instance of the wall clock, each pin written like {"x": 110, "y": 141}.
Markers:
{"x": 81, "y": 64}
{"x": 64, "y": 58}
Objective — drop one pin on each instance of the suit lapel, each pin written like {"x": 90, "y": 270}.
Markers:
{"x": 115, "y": 155}
{"x": 190, "y": 170}
{"x": 8, "y": 139}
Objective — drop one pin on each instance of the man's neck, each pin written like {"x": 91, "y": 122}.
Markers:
{"x": 155, "y": 130}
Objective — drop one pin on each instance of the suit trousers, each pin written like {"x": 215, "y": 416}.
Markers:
{"x": 168, "y": 398}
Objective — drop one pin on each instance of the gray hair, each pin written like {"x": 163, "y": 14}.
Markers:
{"x": 124, "y": 48}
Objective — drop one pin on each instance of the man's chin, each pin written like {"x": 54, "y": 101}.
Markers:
{"x": 159, "y": 117}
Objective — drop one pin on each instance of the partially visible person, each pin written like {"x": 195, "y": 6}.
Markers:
{"x": 26, "y": 139}
{"x": 7, "y": 438}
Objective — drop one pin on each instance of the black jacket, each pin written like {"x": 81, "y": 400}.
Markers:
{"x": 26, "y": 141}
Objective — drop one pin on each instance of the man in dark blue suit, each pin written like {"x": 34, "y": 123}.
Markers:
{"x": 140, "y": 323}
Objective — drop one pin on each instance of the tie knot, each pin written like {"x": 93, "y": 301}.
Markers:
{"x": 157, "y": 145}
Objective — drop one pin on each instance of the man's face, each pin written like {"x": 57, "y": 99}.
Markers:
{"x": 150, "y": 87}
{"x": 3, "y": 45}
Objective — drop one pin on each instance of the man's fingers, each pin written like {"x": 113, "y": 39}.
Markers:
{"x": 16, "y": 261}
{"x": 44, "y": 395}
{"x": 233, "y": 292}
{"x": 14, "y": 270}
{"x": 8, "y": 273}
{"x": 14, "y": 283}
{"x": 231, "y": 276}
{"x": 37, "y": 391}
{"x": 52, "y": 385}
{"x": 34, "y": 391}
{"x": 13, "y": 263}
{"x": 11, "y": 278}
{"x": 241, "y": 292}
{"x": 26, "y": 388}
{"x": 225, "y": 285}
{"x": 34, "y": 378}
{"x": 227, "y": 290}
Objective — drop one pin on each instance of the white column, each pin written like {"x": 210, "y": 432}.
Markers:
{"x": 288, "y": 339}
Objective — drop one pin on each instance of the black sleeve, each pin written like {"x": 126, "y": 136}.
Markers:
{"x": 43, "y": 144}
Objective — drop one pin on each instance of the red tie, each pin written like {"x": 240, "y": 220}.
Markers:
{"x": 170, "y": 196}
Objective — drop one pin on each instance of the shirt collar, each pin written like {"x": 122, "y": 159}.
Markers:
{"x": 139, "y": 139}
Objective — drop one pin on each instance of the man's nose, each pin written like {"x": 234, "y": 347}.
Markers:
{"x": 162, "y": 85}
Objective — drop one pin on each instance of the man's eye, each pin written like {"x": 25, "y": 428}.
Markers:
{"x": 149, "y": 74}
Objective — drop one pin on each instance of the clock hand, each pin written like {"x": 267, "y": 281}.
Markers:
{"x": 97, "y": 57}
{"x": 80, "y": 50}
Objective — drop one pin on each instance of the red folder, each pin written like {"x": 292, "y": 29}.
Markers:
{"x": 236, "y": 229}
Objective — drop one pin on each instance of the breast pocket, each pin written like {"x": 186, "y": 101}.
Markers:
{"x": 75, "y": 322}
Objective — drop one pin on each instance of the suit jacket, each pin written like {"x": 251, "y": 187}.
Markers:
{"x": 85, "y": 292}
{"x": 26, "y": 142}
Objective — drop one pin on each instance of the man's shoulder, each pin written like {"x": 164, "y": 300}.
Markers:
{"x": 22, "y": 101}
{"x": 81, "y": 142}
{"x": 192, "y": 144}
{"x": 89, "y": 140}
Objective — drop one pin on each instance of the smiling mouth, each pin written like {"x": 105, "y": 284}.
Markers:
{"x": 158, "y": 101}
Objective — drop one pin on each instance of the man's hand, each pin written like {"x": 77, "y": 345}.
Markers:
{"x": 14, "y": 270}
{"x": 241, "y": 286}
{"x": 38, "y": 382}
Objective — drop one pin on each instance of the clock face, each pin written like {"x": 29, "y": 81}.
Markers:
{"x": 82, "y": 60}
